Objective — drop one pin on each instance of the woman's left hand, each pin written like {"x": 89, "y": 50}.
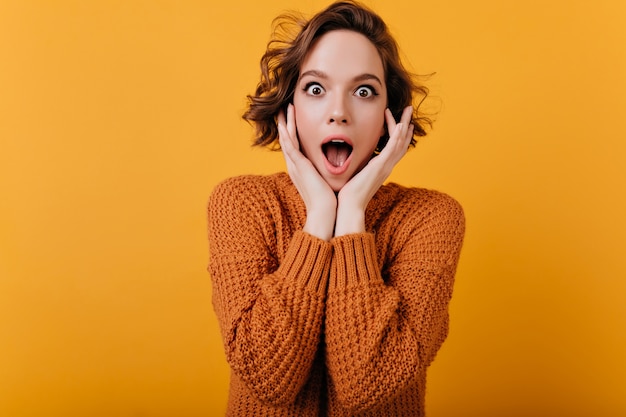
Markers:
{"x": 357, "y": 193}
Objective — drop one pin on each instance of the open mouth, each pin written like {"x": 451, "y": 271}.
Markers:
{"x": 337, "y": 152}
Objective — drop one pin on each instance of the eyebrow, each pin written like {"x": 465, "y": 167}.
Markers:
{"x": 323, "y": 75}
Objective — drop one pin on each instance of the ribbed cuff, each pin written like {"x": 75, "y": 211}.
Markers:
{"x": 355, "y": 261}
{"x": 308, "y": 260}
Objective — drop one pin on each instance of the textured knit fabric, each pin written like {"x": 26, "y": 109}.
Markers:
{"x": 340, "y": 328}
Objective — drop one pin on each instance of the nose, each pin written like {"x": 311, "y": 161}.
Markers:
{"x": 339, "y": 112}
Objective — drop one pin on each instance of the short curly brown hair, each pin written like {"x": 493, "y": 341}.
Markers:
{"x": 292, "y": 39}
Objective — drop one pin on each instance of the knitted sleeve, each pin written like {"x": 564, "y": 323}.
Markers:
{"x": 383, "y": 326}
{"x": 270, "y": 315}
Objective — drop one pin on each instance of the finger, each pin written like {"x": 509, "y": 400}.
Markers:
{"x": 291, "y": 153}
{"x": 404, "y": 140}
{"x": 283, "y": 138}
{"x": 401, "y": 128}
{"x": 407, "y": 113}
{"x": 409, "y": 136}
{"x": 398, "y": 130}
{"x": 391, "y": 122}
{"x": 281, "y": 118}
{"x": 399, "y": 140}
{"x": 281, "y": 128}
{"x": 286, "y": 131}
{"x": 291, "y": 125}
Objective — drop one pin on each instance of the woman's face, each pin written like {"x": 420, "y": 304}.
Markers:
{"x": 339, "y": 102}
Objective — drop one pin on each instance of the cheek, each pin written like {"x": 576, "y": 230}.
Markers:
{"x": 377, "y": 122}
{"x": 301, "y": 121}
{"x": 303, "y": 128}
{"x": 305, "y": 117}
{"x": 374, "y": 113}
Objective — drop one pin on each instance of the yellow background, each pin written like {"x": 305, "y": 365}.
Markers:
{"x": 117, "y": 118}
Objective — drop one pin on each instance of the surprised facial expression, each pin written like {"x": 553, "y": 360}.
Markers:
{"x": 339, "y": 103}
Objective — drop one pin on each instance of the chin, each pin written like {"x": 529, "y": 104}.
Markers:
{"x": 336, "y": 185}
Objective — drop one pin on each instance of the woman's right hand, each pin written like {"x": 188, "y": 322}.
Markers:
{"x": 318, "y": 197}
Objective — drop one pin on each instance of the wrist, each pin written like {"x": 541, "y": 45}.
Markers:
{"x": 349, "y": 221}
{"x": 320, "y": 224}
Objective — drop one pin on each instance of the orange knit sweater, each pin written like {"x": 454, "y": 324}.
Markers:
{"x": 340, "y": 328}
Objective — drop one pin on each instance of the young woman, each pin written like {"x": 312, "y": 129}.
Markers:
{"x": 331, "y": 288}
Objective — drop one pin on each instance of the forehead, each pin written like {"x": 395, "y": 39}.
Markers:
{"x": 343, "y": 53}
